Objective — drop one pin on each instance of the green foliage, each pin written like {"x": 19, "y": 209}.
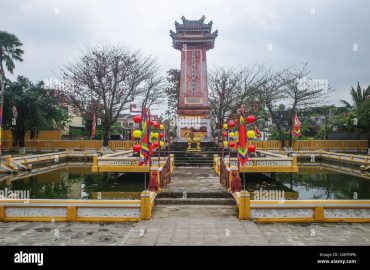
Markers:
{"x": 281, "y": 136}
{"x": 37, "y": 109}
{"x": 9, "y": 51}
{"x": 116, "y": 129}
{"x": 76, "y": 133}
{"x": 358, "y": 96}
{"x": 172, "y": 90}
{"x": 363, "y": 115}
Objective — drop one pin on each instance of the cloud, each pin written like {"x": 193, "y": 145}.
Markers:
{"x": 279, "y": 33}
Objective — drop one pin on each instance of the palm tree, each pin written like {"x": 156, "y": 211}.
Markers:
{"x": 358, "y": 96}
{"x": 9, "y": 51}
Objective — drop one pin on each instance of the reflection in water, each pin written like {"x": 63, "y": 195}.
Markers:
{"x": 77, "y": 183}
{"x": 326, "y": 182}
{"x": 318, "y": 181}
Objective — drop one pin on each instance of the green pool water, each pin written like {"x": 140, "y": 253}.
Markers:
{"x": 314, "y": 181}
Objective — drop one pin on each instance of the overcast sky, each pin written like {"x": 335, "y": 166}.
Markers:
{"x": 324, "y": 33}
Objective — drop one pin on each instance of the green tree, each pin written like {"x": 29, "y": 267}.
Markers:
{"x": 358, "y": 96}
{"x": 172, "y": 90}
{"x": 10, "y": 51}
{"x": 363, "y": 117}
{"x": 33, "y": 107}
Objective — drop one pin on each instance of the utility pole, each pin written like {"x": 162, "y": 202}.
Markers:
{"x": 1, "y": 112}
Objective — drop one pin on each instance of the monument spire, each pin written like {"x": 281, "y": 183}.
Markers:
{"x": 193, "y": 38}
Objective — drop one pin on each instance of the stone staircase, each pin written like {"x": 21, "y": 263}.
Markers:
{"x": 204, "y": 158}
{"x": 195, "y": 198}
{"x": 194, "y": 186}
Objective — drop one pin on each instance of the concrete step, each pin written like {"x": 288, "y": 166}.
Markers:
{"x": 180, "y": 194}
{"x": 189, "y": 164}
{"x": 195, "y": 201}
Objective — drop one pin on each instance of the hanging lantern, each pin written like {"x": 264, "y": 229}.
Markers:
{"x": 225, "y": 126}
{"x": 137, "y": 118}
{"x": 150, "y": 123}
{"x": 251, "y": 134}
{"x": 136, "y": 148}
{"x": 137, "y": 133}
{"x": 231, "y": 144}
{"x": 156, "y": 135}
{"x": 161, "y": 144}
{"x": 237, "y": 134}
{"x": 155, "y": 144}
{"x": 161, "y": 127}
{"x": 156, "y": 125}
{"x": 236, "y": 122}
{"x": 161, "y": 135}
{"x": 225, "y": 143}
{"x": 224, "y": 134}
{"x": 231, "y": 124}
{"x": 231, "y": 134}
{"x": 251, "y": 119}
{"x": 251, "y": 148}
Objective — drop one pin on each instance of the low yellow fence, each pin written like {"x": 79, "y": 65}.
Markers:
{"x": 346, "y": 158}
{"x": 301, "y": 210}
{"x": 78, "y": 210}
{"x": 13, "y": 164}
{"x": 7, "y": 135}
{"x": 52, "y": 144}
{"x": 338, "y": 145}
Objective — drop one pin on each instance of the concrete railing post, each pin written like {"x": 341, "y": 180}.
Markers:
{"x": 244, "y": 205}
{"x": 146, "y": 209}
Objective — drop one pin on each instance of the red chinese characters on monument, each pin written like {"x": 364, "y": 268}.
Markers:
{"x": 193, "y": 38}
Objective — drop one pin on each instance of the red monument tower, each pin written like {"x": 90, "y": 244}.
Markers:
{"x": 193, "y": 38}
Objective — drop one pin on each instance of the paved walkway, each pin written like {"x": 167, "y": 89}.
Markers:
{"x": 185, "y": 225}
{"x": 194, "y": 179}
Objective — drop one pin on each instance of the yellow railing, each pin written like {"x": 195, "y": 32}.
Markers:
{"x": 339, "y": 145}
{"x": 78, "y": 210}
{"x": 7, "y": 135}
{"x": 51, "y": 145}
{"x": 347, "y": 158}
{"x": 13, "y": 164}
{"x": 359, "y": 145}
{"x": 301, "y": 210}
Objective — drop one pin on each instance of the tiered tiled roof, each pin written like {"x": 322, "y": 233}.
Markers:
{"x": 193, "y": 32}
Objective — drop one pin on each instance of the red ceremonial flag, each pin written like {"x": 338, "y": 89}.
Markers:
{"x": 93, "y": 128}
{"x": 145, "y": 150}
{"x": 296, "y": 127}
{"x": 242, "y": 145}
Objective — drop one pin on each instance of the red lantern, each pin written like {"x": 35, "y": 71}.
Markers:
{"x": 137, "y": 148}
{"x": 150, "y": 123}
{"x": 161, "y": 135}
{"x": 224, "y": 134}
{"x": 137, "y": 118}
{"x": 156, "y": 125}
{"x": 155, "y": 144}
{"x": 251, "y": 148}
{"x": 231, "y": 124}
{"x": 231, "y": 144}
{"x": 236, "y": 122}
{"x": 251, "y": 119}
